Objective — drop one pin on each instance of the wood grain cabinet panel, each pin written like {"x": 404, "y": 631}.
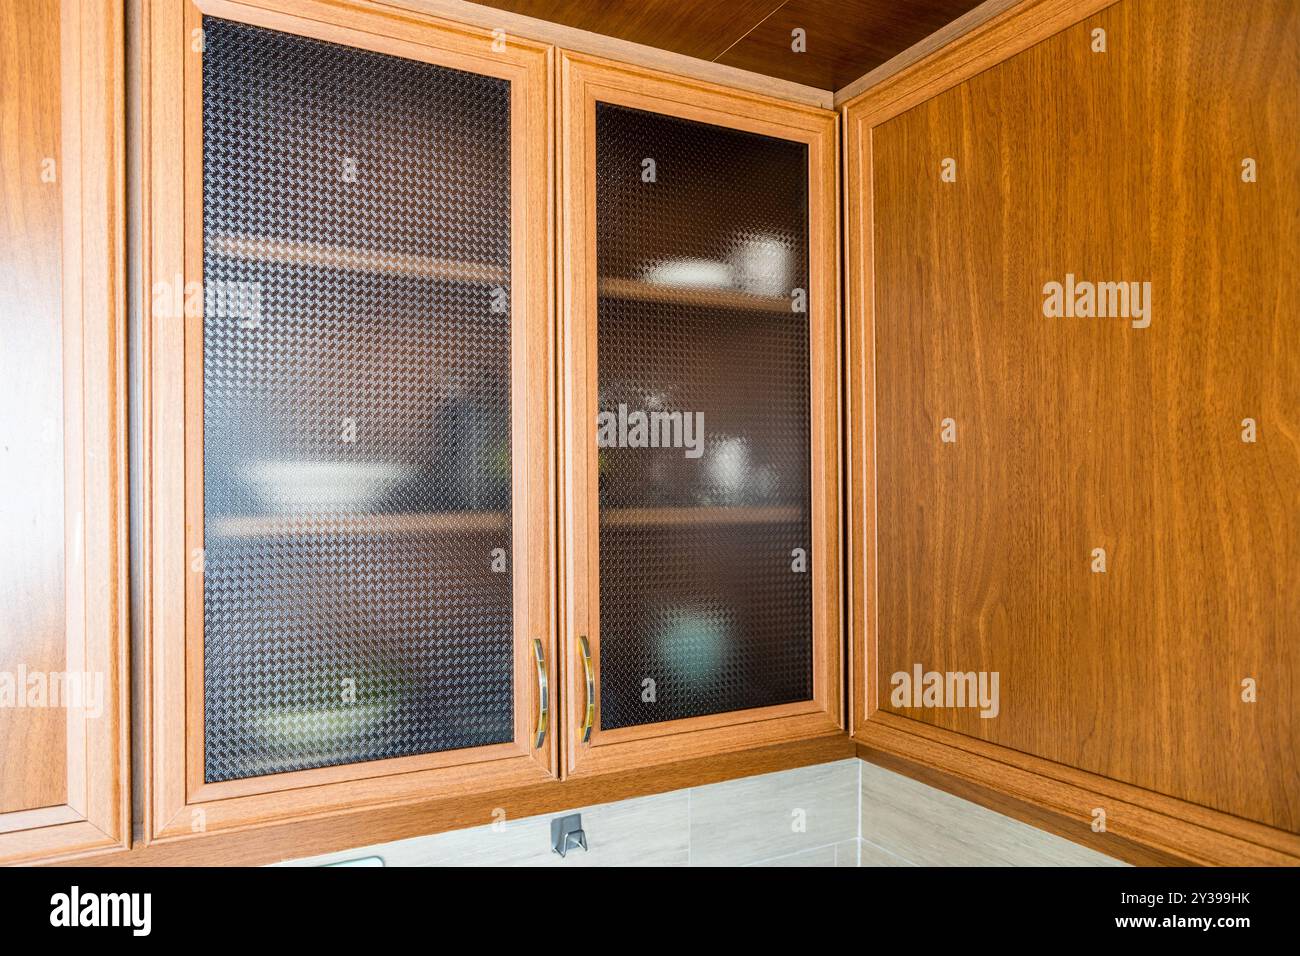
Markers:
{"x": 1099, "y": 502}
{"x": 63, "y": 784}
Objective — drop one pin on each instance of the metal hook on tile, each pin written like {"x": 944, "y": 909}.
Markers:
{"x": 566, "y": 833}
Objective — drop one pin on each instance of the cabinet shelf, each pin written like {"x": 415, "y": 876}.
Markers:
{"x": 359, "y": 260}
{"x": 453, "y": 522}
{"x": 677, "y": 516}
{"x": 640, "y": 291}
{"x": 439, "y": 522}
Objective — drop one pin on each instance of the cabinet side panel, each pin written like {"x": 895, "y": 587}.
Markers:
{"x": 33, "y": 619}
{"x": 1087, "y": 387}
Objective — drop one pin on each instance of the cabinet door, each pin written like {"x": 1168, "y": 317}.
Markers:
{"x": 63, "y": 748}
{"x": 351, "y": 384}
{"x": 701, "y": 553}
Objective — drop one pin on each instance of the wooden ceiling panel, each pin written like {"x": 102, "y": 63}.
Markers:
{"x": 699, "y": 28}
{"x": 845, "y": 38}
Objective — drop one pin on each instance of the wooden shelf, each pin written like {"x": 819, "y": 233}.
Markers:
{"x": 451, "y": 522}
{"x": 440, "y": 522}
{"x": 640, "y": 291}
{"x": 667, "y": 517}
{"x": 358, "y": 260}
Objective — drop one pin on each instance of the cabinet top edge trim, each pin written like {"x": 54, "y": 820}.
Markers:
{"x": 341, "y": 21}
{"x": 1002, "y": 31}
{"x": 587, "y": 69}
{"x": 588, "y": 43}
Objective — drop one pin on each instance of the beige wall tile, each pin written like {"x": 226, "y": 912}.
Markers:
{"x": 854, "y": 813}
{"x": 872, "y": 855}
{"x": 932, "y": 828}
{"x": 818, "y": 856}
{"x": 646, "y": 831}
{"x": 847, "y": 853}
{"x": 751, "y": 819}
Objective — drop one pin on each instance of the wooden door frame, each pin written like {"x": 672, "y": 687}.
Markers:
{"x": 178, "y": 802}
{"x": 583, "y": 81}
{"x": 96, "y": 814}
{"x": 1046, "y": 793}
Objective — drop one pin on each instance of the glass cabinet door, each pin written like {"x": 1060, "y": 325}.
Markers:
{"x": 701, "y": 448}
{"x": 367, "y": 384}
{"x": 356, "y": 408}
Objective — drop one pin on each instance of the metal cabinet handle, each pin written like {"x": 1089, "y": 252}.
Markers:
{"x": 543, "y": 695}
{"x": 589, "y": 716}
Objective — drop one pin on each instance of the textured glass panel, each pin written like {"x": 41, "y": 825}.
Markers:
{"x": 702, "y": 252}
{"x": 356, "y": 385}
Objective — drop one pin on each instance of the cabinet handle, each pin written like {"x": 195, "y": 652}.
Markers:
{"x": 543, "y": 695}
{"x": 589, "y": 716}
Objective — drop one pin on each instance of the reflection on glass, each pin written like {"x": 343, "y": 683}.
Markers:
{"x": 357, "y": 596}
{"x": 705, "y": 586}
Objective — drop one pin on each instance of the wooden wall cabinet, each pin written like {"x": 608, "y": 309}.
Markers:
{"x": 349, "y": 551}
{"x": 998, "y": 453}
{"x": 405, "y": 544}
{"x": 267, "y": 496}
{"x": 701, "y": 608}
{"x": 64, "y": 787}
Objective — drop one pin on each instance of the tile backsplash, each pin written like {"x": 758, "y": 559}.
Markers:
{"x": 923, "y": 826}
{"x": 845, "y": 813}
